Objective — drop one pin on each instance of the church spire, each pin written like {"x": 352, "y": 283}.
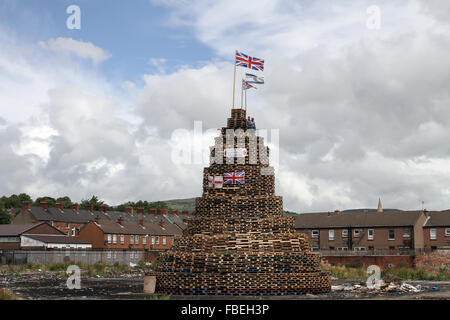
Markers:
{"x": 380, "y": 207}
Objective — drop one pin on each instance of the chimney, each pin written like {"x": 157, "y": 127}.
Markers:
{"x": 337, "y": 211}
{"x": 164, "y": 211}
{"x": 43, "y": 204}
{"x": 140, "y": 210}
{"x": 141, "y": 222}
{"x": 153, "y": 211}
{"x": 90, "y": 208}
{"x": 59, "y": 205}
{"x": 129, "y": 210}
{"x": 26, "y": 205}
{"x": 185, "y": 212}
{"x": 175, "y": 212}
{"x": 102, "y": 208}
{"x": 120, "y": 221}
{"x": 75, "y": 207}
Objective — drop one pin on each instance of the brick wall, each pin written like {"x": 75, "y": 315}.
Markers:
{"x": 441, "y": 239}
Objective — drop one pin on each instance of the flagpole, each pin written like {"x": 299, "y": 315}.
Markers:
{"x": 242, "y": 93}
{"x": 234, "y": 78}
{"x": 246, "y": 100}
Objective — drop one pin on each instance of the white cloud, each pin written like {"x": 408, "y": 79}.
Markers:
{"x": 82, "y": 49}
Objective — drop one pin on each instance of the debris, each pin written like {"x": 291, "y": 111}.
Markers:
{"x": 337, "y": 288}
{"x": 133, "y": 264}
{"x": 436, "y": 288}
{"x": 408, "y": 288}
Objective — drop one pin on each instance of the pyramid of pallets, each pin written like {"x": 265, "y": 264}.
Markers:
{"x": 239, "y": 242}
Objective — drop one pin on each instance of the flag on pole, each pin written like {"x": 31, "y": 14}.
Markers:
{"x": 243, "y": 60}
{"x": 246, "y": 85}
{"x": 254, "y": 79}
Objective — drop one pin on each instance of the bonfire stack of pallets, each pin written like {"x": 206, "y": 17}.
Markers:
{"x": 239, "y": 242}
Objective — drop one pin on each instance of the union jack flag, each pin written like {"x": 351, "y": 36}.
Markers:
{"x": 243, "y": 60}
{"x": 234, "y": 177}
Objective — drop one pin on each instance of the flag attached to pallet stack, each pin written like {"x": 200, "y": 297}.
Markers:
{"x": 243, "y": 60}
{"x": 237, "y": 177}
{"x": 215, "y": 182}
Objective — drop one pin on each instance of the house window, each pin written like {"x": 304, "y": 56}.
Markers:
{"x": 356, "y": 233}
{"x": 391, "y": 234}
{"x": 144, "y": 239}
{"x": 122, "y": 239}
{"x": 342, "y": 248}
{"x": 344, "y": 233}
{"x": 157, "y": 240}
{"x": 73, "y": 232}
{"x": 131, "y": 239}
{"x": 447, "y": 232}
{"x": 360, "y": 248}
{"x": 406, "y": 233}
{"x": 109, "y": 238}
{"x": 432, "y": 234}
{"x": 164, "y": 240}
{"x": 314, "y": 233}
{"x": 370, "y": 233}
{"x": 331, "y": 234}
{"x": 136, "y": 238}
{"x": 68, "y": 226}
{"x": 114, "y": 238}
{"x": 153, "y": 241}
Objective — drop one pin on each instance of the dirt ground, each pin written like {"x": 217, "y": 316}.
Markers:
{"x": 52, "y": 286}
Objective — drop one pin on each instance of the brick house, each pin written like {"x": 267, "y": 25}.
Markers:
{"x": 437, "y": 230}
{"x": 129, "y": 235}
{"x": 37, "y": 236}
{"x": 363, "y": 231}
{"x": 71, "y": 220}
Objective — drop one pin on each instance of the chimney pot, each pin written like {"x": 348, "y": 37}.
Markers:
{"x": 185, "y": 212}
{"x": 43, "y": 204}
{"x": 26, "y": 205}
{"x": 129, "y": 210}
{"x": 140, "y": 210}
{"x": 153, "y": 211}
{"x": 164, "y": 211}
{"x": 75, "y": 207}
{"x": 59, "y": 205}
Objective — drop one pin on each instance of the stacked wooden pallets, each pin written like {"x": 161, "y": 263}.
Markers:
{"x": 239, "y": 242}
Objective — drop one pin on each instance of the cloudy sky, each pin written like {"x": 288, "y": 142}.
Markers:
{"x": 362, "y": 104}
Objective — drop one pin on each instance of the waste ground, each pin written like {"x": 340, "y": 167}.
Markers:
{"x": 53, "y": 286}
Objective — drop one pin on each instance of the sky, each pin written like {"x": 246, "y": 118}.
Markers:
{"x": 358, "y": 93}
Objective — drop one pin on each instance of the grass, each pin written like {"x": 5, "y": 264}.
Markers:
{"x": 91, "y": 270}
{"x": 353, "y": 271}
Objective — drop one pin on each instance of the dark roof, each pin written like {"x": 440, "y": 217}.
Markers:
{"x": 16, "y": 229}
{"x": 356, "y": 219}
{"x": 438, "y": 219}
{"x": 56, "y": 239}
{"x": 129, "y": 227}
{"x": 84, "y": 216}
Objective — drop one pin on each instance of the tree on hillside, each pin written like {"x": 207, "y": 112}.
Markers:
{"x": 92, "y": 202}
{"x": 14, "y": 201}
{"x": 50, "y": 201}
{"x": 65, "y": 200}
{"x": 5, "y": 218}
